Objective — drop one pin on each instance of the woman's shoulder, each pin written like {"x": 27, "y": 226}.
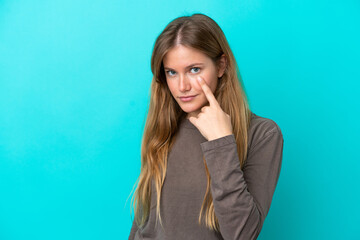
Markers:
{"x": 260, "y": 127}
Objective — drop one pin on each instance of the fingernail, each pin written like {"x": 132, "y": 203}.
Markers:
{"x": 199, "y": 79}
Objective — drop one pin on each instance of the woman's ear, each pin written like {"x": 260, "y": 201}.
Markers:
{"x": 222, "y": 63}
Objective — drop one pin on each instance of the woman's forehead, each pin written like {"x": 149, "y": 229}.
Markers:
{"x": 182, "y": 57}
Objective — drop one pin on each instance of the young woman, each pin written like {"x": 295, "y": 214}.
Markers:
{"x": 209, "y": 166}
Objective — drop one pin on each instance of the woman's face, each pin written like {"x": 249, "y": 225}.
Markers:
{"x": 182, "y": 66}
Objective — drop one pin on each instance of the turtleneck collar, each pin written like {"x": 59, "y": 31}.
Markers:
{"x": 187, "y": 124}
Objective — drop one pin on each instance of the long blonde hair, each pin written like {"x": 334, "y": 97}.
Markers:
{"x": 202, "y": 33}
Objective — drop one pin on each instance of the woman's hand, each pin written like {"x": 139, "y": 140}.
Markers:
{"x": 212, "y": 121}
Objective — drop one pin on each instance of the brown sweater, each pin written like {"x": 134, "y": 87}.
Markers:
{"x": 241, "y": 198}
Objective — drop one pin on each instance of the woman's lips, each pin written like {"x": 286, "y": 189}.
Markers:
{"x": 187, "y": 99}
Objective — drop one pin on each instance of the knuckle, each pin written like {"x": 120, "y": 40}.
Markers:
{"x": 204, "y": 108}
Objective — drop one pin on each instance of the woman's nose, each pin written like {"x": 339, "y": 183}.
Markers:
{"x": 184, "y": 84}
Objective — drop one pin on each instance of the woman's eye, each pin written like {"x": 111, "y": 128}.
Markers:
{"x": 195, "y": 68}
{"x": 168, "y": 72}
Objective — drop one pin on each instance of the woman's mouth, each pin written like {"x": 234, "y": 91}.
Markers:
{"x": 187, "y": 98}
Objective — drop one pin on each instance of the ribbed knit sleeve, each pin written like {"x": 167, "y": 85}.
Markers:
{"x": 242, "y": 198}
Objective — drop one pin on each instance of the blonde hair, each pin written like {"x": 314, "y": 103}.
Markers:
{"x": 200, "y": 32}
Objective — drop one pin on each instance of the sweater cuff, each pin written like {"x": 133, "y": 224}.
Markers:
{"x": 219, "y": 142}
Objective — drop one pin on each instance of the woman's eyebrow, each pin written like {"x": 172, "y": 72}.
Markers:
{"x": 191, "y": 65}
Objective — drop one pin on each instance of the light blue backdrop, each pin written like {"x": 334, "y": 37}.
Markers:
{"x": 74, "y": 89}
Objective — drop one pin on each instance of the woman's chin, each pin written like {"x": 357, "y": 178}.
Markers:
{"x": 191, "y": 111}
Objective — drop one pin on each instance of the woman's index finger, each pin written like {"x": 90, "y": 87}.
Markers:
{"x": 208, "y": 93}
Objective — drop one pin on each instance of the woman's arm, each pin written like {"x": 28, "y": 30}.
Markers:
{"x": 242, "y": 198}
{"x": 133, "y": 230}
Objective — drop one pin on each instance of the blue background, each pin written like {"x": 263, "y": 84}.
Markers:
{"x": 74, "y": 92}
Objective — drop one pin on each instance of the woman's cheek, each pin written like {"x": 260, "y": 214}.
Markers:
{"x": 194, "y": 81}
